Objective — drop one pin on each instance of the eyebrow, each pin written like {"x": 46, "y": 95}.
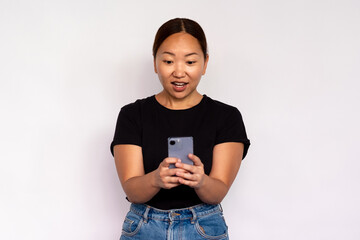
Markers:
{"x": 187, "y": 55}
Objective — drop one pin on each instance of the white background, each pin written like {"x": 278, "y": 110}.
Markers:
{"x": 291, "y": 67}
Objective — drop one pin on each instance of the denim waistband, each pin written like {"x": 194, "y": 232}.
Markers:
{"x": 192, "y": 213}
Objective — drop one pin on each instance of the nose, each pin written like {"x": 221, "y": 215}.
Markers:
{"x": 179, "y": 71}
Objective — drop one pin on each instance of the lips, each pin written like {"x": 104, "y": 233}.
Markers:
{"x": 179, "y": 86}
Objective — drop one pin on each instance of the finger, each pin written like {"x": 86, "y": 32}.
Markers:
{"x": 167, "y": 161}
{"x": 195, "y": 159}
{"x": 186, "y": 167}
{"x": 173, "y": 171}
{"x": 168, "y": 172}
{"x": 187, "y": 182}
{"x": 180, "y": 170}
{"x": 187, "y": 176}
{"x": 172, "y": 180}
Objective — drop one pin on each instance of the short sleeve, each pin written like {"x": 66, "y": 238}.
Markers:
{"x": 128, "y": 127}
{"x": 231, "y": 128}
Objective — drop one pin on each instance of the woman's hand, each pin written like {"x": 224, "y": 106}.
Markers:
{"x": 192, "y": 175}
{"x": 166, "y": 177}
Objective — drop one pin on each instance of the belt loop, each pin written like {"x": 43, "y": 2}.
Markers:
{"x": 146, "y": 214}
{"x": 193, "y": 219}
{"x": 171, "y": 215}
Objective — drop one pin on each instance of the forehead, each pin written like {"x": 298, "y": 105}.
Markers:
{"x": 180, "y": 42}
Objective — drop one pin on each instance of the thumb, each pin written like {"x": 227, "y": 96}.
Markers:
{"x": 195, "y": 159}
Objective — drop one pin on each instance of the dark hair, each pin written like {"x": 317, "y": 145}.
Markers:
{"x": 177, "y": 25}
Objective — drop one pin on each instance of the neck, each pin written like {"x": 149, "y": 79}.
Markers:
{"x": 173, "y": 103}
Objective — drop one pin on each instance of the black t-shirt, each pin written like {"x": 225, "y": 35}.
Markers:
{"x": 148, "y": 124}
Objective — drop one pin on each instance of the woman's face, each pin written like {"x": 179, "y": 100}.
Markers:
{"x": 180, "y": 64}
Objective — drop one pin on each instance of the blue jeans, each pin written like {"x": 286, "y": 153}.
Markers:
{"x": 199, "y": 222}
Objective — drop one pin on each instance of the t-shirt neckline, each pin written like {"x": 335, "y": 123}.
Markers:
{"x": 180, "y": 110}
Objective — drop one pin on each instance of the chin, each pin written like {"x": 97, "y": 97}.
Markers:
{"x": 179, "y": 95}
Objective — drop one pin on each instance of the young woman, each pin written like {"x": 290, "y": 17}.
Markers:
{"x": 181, "y": 202}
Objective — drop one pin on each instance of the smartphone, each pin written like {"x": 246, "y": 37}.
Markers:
{"x": 180, "y": 147}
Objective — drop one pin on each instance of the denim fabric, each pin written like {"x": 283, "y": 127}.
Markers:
{"x": 199, "y": 222}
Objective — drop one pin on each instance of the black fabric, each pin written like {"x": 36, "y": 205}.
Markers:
{"x": 148, "y": 124}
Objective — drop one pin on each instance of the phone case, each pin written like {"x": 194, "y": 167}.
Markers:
{"x": 180, "y": 147}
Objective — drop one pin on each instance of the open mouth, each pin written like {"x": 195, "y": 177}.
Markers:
{"x": 179, "y": 84}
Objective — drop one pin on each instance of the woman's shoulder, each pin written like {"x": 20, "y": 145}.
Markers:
{"x": 220, "y": 106}
{"x": 139, "y": 103}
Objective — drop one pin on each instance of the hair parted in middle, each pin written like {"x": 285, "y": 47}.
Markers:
{"x": 177, "y": 25}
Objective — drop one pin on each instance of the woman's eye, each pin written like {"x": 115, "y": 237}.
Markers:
{"x": 168, "y": 61}
{"x": 191, "y": 62}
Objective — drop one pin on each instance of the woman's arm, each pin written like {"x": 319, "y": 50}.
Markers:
{"x": 226, "y": 163}
{"x": 138, "y": 186}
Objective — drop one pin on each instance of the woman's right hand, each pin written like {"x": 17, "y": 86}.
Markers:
{"x": 165, "y": 177}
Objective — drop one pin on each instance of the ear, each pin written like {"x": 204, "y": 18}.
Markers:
{"x": 155, "y": 69}
{"x": 205, "y": 64}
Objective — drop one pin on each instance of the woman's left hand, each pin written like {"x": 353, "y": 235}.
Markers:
{"x": 194, "y": 177}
